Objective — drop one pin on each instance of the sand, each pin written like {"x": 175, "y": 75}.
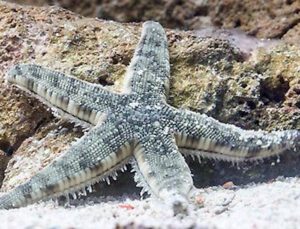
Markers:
{"x": 266, "y": 205}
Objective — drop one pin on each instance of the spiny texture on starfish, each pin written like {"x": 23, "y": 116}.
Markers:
{"x": 138, "y": 127}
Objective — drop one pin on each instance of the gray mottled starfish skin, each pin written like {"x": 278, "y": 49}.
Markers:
{"x": 138, "y": 127}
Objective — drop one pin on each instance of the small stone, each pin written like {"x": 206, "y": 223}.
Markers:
{"x": 229, "y": 185}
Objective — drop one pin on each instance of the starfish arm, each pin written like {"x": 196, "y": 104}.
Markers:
{"x": 161, "y": 170}
{"x": 227, "y": 142}
{"x": 80, "y": 99}
{"x": 97, "y": 155}
{"x": 149, "y": 69}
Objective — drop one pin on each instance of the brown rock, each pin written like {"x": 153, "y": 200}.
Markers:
{"x": 229, "y": 185}
{"x": 171, "y": 13}
{"x": 263, "y": 19}
{"x": 4, "y": 159}
{"x": 37, "y": 151}
{"x": 292, "y": 35}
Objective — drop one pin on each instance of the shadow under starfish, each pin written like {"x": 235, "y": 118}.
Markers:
{"x": 136, "y": 127}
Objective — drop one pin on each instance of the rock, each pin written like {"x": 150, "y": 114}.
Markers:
{"x": 292, "y": 35}
{"x": 209, "y": 75}
{"x": 4, "y": 159}
{"x": 263, "y": 19}
{"x": 171, "y": 13}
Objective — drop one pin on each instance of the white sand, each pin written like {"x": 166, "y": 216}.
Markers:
{"x": 267, "y": 205}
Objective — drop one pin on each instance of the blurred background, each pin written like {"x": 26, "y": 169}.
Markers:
{"x": 264, "y": 19}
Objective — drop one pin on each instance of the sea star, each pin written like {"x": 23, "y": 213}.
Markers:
{"x": 137, "y": 127}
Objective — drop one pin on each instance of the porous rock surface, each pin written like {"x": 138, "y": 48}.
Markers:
{"x": 263, "y": 19}
{"x": 255, "y": 90}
